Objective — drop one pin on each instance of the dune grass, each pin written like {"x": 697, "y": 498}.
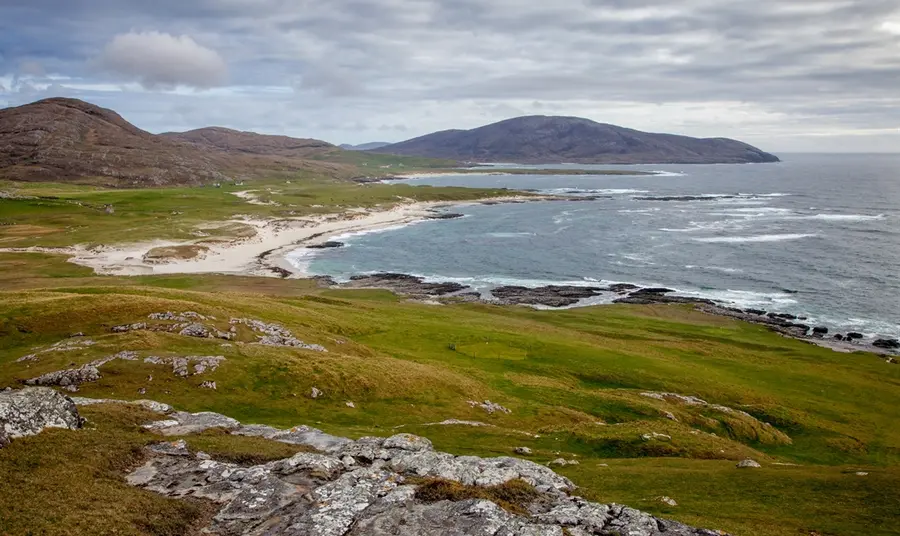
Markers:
{"x": 572, "y": 379}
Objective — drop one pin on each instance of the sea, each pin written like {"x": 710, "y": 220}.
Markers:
{"x": 817, "y": 235}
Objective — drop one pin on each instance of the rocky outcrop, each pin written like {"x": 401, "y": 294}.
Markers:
{"x": 548, "y": 296}
{"x": 326, "y": 245}
{"x": 363, "y": 488}
{"x": 181, "y": 365}
{"x": 70, "y": 378}
{"x": 29, "y": 411}
{"x": 404, "y": 284}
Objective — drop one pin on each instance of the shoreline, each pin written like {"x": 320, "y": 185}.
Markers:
{"x": 262, "y": 254}
{"x": 265, "y": 255}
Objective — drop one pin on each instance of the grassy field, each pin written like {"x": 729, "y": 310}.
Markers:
{"x": 572, "y": 377}
{"x": 574, "y": 380}
{"x": 46, "y": 214}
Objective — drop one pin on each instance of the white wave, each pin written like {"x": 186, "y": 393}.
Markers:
{"x": 715, "y": 269}
{"x": 753, "y": 239}
{"x": 592, "y": 191}
{"x": 659, "y": 173}
{"x": 743, "y": 298}
{"x": 841, "y": 217}
{"x": 510, "y": 235}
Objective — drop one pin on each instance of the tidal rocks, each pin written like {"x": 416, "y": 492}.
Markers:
{"x": 889, "y": 344}
{"x": 70, "y": 378}
{"x": 326, "y": 245}
{"x": 446, "y": 216}
{"x": 854, "y": 336}
{"x": 650, "y": 296}
{"x": 403, "y": 284}
{"x": 549, "y": 296}
{"x": 820, "y": 330}
{"x": 29, "y": 411}
{"x": 748, "y": 464}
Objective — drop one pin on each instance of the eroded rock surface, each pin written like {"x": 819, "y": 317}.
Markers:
{"x": 363, "y": 488}
{"x": 29, "y": 411}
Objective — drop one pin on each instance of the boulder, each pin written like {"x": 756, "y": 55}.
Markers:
{"x": 68, "y": 378}
{"x": 748, "y": 464}
{"x": 854, "y": 335}
{"x": 522, "y": 451}
{"x": 195, "y": 330}
{"x": 29, "y": 411}
{"x": 820, "y": 330}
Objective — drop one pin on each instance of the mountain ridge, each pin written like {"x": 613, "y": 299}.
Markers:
{"x": 539, "y": 139}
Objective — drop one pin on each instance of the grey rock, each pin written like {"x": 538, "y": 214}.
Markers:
{"x": 151, "y": 405}
{"x": 331, "y": 495}
{"x": 488, "y": 406}
{"x": 748, "y": 464}
{"x": 315, "y": 392}
{"x": 170, "y": 448}
{"x": 656, "y": 436}
{"x": 195, "y": 330}
{"x": 182, "y": 423}
{"x": 208, "y": 385}
{"x": 524, "y": 451}
{"x": 66, "y": 378}
{"x": 125, "y": 328}
{"x": 29, "y": 411}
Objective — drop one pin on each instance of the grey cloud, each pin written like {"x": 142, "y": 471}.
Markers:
{"x": 160, "y": 60}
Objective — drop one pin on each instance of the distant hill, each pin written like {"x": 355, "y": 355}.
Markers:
{"x": 227, "y": 139}
{"x": 552, "y": 139}
{"x": 364, "y": 146}
{"x": 69, "y": 140}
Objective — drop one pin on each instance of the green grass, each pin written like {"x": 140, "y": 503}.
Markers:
{"x": 63, "y": 215}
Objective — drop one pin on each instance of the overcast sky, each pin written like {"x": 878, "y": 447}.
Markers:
{"x": 785, "y": 75}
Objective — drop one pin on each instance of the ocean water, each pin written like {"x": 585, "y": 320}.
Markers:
{"x": 815, "y": 235}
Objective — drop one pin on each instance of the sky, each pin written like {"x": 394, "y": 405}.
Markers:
{"x": 785, "y": 75}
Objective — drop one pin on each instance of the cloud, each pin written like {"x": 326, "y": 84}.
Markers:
{"x": 162, "y": 61}
{"x": 776, "y": 73}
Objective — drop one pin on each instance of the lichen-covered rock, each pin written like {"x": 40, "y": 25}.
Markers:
{"x": 488, "y": 406}
{"x": 360, "y": 488}
{"x": 182, "y": 423}
{"x": 195, "y": 330}
{"x": 29, "y": 411}
{"x": 151, "y": 405}
{"x": 748, "y": 464}
{"x": 68, "y": 378}
{"x": 181, "y": 365}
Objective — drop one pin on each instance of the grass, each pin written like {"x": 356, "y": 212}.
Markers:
{"x": 513, "y": 496}
{"x": 54, "y": 215}
{"x": 572, "y": 379}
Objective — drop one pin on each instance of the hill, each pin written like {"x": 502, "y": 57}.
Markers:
{"x": 69, "y": 140}
{"x": 552, "y": 139}
{"x": 227, "y": 139}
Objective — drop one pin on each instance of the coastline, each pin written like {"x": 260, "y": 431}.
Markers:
{"x": 263, "y": 254}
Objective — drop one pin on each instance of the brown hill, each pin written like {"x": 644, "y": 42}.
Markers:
{"x": 230, "y": 140}
{"x": 68, "y": 140}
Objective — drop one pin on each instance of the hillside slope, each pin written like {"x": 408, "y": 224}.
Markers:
{"x": 69, "y": 140}
{"x": 227, "y": 139}
{"x": 551, "y": 139}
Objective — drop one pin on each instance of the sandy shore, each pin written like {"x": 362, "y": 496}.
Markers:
{"x": 263, "y": 254}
